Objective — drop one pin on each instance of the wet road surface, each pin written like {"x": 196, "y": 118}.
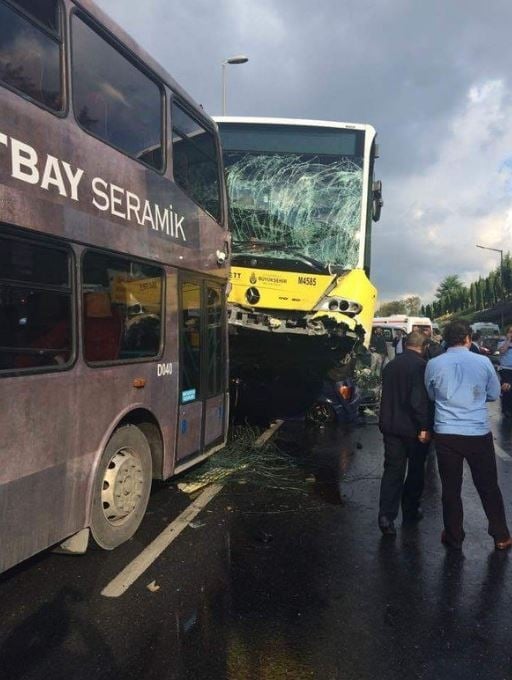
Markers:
{"x": 282, "y": 580}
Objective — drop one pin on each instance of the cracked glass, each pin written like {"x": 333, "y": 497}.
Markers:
{"x": 295, "y": 190}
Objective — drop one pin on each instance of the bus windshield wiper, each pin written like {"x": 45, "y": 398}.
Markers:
{"x": 293, "y": 250}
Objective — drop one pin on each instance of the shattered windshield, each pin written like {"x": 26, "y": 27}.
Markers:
{"x": 295, "y": 189}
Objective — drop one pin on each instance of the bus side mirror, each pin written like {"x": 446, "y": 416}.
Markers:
{"x": 377, "y": 201}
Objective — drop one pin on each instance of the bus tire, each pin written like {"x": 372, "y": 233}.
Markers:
{"x": 121, "y": 487}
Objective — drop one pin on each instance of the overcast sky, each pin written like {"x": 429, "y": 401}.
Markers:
{"x": 432, "y": 77}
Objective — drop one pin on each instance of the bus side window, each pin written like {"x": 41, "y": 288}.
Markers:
{"x": 35, "y": 306}
{"x": 113, "y": 99}
{"x": 30, "y": 53}
{"x": 94, "y": 114}
{"x": 195, "y": 161}
{"x": 122, "y": 308}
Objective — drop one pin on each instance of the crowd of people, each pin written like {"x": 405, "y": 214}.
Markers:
{"x": 438, "y": 391}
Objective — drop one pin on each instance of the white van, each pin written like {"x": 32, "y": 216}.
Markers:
{"x": 406, "y": 322}
{"x": 390, "y": 325}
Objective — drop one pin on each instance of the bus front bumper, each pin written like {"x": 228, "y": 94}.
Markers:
{"x": 320, "y": 323}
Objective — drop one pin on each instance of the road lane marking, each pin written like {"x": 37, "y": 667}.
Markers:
{"x": 269, "y": 432}
{"x": 138, "y": 566}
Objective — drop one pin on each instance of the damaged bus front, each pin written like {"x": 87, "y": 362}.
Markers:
{"x": 302, "y": 199}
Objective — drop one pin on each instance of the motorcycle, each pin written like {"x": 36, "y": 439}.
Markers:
{"x": 338, "y": 402}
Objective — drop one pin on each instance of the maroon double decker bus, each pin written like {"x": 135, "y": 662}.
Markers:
{"x": 114, "y": 256}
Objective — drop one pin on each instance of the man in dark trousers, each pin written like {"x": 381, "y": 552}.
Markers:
{"x": 405, "y": 422}
{"x": 378, "y": 347}
{"x": 461, "y": 383}
{"x": 398, "y": 342}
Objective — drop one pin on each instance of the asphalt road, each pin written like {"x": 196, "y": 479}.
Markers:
{"x": 280, "y": 576}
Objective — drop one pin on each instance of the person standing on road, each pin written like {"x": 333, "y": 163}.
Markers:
{"x": 405, "y": 422}
{"x": 431, "y": 348}
{"x": 505, "y": 350}
{"x": 460, "y": 383}
{"x": 379, "y": 349}
{"x": 399, "y": 342}
{"x": 475, "y": 343}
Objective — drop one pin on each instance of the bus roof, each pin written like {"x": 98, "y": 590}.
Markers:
{"x": 295, "y": 121}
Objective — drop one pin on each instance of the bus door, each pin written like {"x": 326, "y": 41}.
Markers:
{"x": 202, "y": 366}
{"x": 215, "y": 363}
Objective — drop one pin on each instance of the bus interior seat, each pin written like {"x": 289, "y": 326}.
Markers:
{"x": 102, "y": 329}
{"x": 47, "y": 330}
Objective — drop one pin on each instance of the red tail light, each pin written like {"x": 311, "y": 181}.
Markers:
{"x": 345, "y": 392}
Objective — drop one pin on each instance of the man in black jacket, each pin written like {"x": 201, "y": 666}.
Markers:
{"x": 406, "y": 423}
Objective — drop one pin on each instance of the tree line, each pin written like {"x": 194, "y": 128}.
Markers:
{"x": 452, "y": 296}
{"x": 410, "y": 305}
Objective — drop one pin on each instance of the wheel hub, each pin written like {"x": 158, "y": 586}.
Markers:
{"x": 321, "y": 414}
{"x": 122, "y": 486}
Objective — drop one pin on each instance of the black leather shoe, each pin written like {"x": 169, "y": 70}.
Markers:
{"x": 387, "y": 526}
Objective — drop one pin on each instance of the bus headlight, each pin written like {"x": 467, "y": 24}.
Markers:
{"x": 335, "y": 304}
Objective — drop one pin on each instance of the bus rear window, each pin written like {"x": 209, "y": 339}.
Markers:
{"x": 30, "y": 57}
{"x": 113, "y": 99}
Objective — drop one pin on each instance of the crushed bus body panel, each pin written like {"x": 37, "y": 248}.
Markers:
{"x": 293, "y": 303}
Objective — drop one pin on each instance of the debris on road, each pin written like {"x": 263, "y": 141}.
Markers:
{"x": 196, "y": 525}
{"x": 246, "y": 460}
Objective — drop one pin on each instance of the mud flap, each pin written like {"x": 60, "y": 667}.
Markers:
{"x": 74, "y": 545}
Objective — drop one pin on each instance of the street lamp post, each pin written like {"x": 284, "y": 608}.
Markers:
{"x": 500, "y": 251}
{"x": 239, "y": 59}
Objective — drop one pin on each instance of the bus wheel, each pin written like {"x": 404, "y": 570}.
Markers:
{"x": 121, "y": 488}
